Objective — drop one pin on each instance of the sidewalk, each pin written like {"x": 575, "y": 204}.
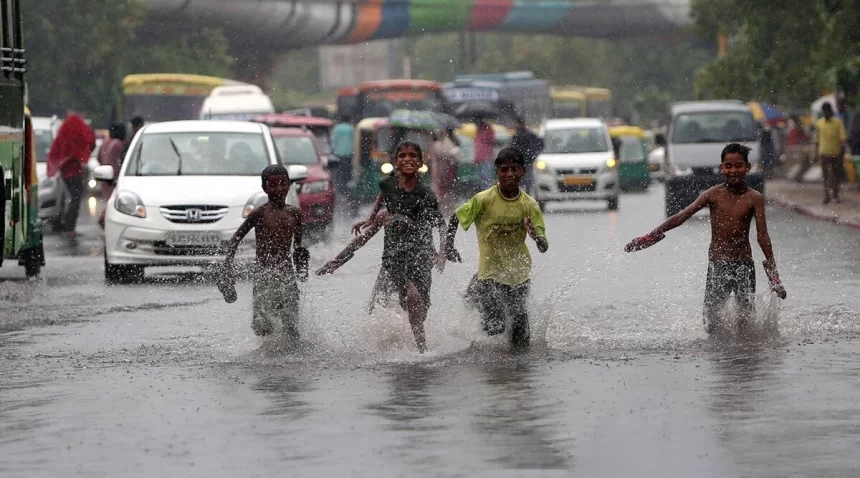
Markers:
{"x": 806, "y": 199}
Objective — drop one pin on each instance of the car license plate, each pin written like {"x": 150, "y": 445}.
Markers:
{"x": 578, "y": 180}
{"x": 192, "y": 239}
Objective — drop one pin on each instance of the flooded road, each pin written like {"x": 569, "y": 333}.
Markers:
{"x": 164, "y": 378}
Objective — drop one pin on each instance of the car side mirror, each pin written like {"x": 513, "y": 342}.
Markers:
{"x": 660, "y": 139}
{"x": 297, "y": 173}
{"x": 105, "y": 172}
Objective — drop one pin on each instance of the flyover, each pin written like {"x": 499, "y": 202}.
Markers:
{"x": 276, "y": 25}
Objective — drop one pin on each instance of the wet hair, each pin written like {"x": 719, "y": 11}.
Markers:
{"x": 736, "y": 148}
{"x": 510, "y": 154}
{"x": 137, "y": 121}
{"x": 273, "y": 170}
{"x": 117, "y": 131}
{"x": 408, "y": 144}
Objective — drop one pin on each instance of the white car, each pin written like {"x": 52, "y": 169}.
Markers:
{"x": 183, "y": 190}
{"x": 577, "y": 163}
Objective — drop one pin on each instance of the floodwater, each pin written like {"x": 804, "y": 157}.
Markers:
{"x": 165, "y": 379}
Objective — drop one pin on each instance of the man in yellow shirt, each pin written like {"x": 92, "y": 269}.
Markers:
{"x": 830, "y": 139}
{"x": 503, "y": 215}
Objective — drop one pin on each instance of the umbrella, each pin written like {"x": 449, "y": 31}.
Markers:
{"x": 471, "y": 110}
{"x": 447, "y": 121}
{"x": 414, "y": 120}
{"x": 765, "y": 113}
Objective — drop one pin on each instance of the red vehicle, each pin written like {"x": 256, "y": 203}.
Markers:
{"x": 320, "y": 127}
{"x": 316, "y": 196}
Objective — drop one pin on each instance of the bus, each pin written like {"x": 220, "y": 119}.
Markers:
{"x": 582, "y": 102}
{"x": 167, "y": 96}
{"x": 21, "y": 235}
{"x": 378, "y": 99}
{"x": 568, "y": 103}
{"x": 515, "y": 94}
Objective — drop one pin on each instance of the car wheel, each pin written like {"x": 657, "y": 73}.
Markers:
{"x": 612, "y": 203}
{"x": 122, "y": 274}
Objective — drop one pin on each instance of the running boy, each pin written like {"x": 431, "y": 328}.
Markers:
{"x": 733, "y": 206}
{"x": 276, "y": 225}
{"x": 408, "y": 254}
{"x": 503, "y": 215}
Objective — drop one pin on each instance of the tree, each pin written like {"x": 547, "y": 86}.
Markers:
{"x": 787, "y": 55}
{"x": 79, "y": 50}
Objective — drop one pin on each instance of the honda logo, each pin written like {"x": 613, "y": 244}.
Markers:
{"x": 193, "y": 215}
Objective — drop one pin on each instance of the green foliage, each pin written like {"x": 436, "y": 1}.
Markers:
{"x": 296, "y": 78}
{"x": 79, "y": 50}
{"x": 788, "y": 54}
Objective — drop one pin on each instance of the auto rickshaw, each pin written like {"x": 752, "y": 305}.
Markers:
{"x": 632, "y": 153}
{"x": 467, "y": 176}
{"x": 375, "y": 141}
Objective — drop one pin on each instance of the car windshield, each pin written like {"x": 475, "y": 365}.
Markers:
{"x": 296, "y": 150}
{"x": 44, "y": 138}
{"x": 323, "y": 140}
{"x": 714, "y": 127}
{"x": 199, "y": 154}
{"x": 575, "y": 140}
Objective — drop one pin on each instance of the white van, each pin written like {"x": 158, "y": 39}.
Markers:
{"x": 236, "y": 102}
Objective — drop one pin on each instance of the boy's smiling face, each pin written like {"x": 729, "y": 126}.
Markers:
{"x": 277, "y": 187}
{"x": 408, "y": 161}
{"x": 734, "y": 168}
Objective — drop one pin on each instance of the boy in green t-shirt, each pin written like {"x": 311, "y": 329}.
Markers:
{"x": 503, "y": 216}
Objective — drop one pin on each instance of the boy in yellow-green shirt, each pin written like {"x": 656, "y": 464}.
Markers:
{"x": 503, "y": 216}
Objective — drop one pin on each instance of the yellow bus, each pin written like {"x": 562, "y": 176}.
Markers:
{"x": 581, "y": 102}
{"x": 166, "y": 96}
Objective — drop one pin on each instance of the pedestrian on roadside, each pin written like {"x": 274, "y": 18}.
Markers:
{"x": 110, "y": 154}
{"x": 446, "y": 158}
{"x": 798, "y": 147}
{"x": 531, "y": 146}
{"x": 830, "y": 142}
{"x": 136, "y": 123}
{"x": 343, "y": 145}
{"x": 485, "y": 140}
{"x": 733, "y": 205}
{"x": 68, "y": 156}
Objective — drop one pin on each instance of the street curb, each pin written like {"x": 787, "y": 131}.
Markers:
{"x": 805, "y": 211}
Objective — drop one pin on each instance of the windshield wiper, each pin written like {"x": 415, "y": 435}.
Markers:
{"x": 178, "y": 156}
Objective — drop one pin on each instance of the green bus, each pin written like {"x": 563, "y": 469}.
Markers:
{"x": 21, "y": 235}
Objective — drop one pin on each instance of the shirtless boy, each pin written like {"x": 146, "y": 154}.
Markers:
{"x": 277, "y": 226}
{"x": 733, "y": 206}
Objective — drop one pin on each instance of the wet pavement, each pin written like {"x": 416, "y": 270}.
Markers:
{"x": 165, "y": 379}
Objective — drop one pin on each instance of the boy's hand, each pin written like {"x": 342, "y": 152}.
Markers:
{"x": 328, "y": 268}
{"x": 775, "y": 282}
{"x": 644, "y": 242}
{"x": 453, "y": 255}
{"x": 363, "y": 224}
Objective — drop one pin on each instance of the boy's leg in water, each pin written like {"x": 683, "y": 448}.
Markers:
{"x": 744, "y": 279}
{"x": 261, "y": 304}
{"x": 286, "y": 306}
{"x": 717, "y": 291}
{"x": 420, "y": 278}
{"x": 517, "y": 301}
{"x": 491, "y": 304}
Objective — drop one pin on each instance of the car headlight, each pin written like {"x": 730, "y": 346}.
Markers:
{"x": 314, "y": 187}
{"x": 540, "y": 165}
{"x": 47, "y": 182}
{"x": 129, "y": 203}
{"x": 386, "y": 168}
{"x": 611, "y": 163}
{"x": 92, "y": 183}
{"x": 255, "y": 201}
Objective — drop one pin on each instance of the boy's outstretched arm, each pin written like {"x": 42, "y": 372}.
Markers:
{"x": 301, "y": 256}
{"x": 346, "y": 254}
{"x": 447, "y": 252}
{"x": 658, "y": 234}
{"x": 240, "y": 234}
{"x": 540, "y": 241}
{"x": 357, "y": 227}
{"x": 767, "y": 248}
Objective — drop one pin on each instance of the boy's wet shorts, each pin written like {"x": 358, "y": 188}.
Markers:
{"x": 276, "y": 296}
{"x": 725, "y": 278}
{"x": 403, "y": 269}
